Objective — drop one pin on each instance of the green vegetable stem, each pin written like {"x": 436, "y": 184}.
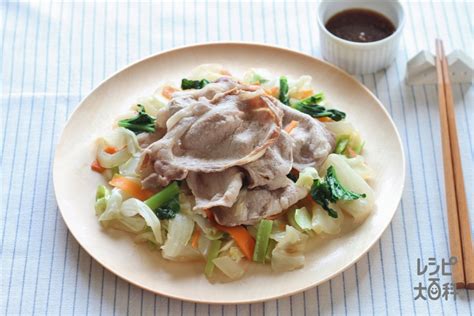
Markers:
{"x": 141, "y": 123}
{"x": 261, "y": 244}
{"x": 283, "y": 96}
{"x": 312, "y": 107}
{"x": 165, "y": 203}
{"x": 212, "y": 254}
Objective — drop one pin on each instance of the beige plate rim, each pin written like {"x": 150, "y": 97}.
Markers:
{"x": 397, "y": 192}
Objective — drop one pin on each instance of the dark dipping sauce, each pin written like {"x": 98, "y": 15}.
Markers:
{"x": 360, "y": 25}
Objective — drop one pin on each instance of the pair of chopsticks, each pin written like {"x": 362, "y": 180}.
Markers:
{"x": 458, "y": 219}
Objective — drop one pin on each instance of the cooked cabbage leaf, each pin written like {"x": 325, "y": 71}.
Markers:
{"x": 329, "y": 189}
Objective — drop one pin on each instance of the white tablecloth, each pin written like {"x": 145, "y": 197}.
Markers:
{"x": 53, "y": 54}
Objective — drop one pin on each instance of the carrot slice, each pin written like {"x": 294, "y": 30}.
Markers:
{"x": 324, "y": 119}
{"x": 168, "y": 91}
{"x": 242, "y": 238}
{"x": 97, "y": 167}
{"x": 132, "y": 187}
{"x": 350, "y": 152}
{"x": 292, "y": 125}
{"x": 110, "y": 150}
{"x": 195, "y": 237}
{"x": 273, "y": 91}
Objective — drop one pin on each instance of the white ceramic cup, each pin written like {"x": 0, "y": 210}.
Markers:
{"x": 355, "y": 57}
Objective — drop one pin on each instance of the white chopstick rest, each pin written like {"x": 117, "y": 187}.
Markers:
{"x": 421, "y": 69}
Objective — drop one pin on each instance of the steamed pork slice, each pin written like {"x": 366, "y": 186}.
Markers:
{"x": 232, "y": 129}
{"x": 215, "y": 189}
{"x": 254, "y": 204}
{"x": 224, "y": 85}
{"x": 271, "y": 169}
{"x": 312, "y": 141}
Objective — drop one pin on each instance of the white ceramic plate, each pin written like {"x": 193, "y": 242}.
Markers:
{"x": 75, "y": 183}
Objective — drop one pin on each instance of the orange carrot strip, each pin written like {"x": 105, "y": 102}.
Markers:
{"x": 97, "y": 167}
{"x": 242, "y": 238}
{"x": 351, "y": 153}
{"x": 168, "y": 91}
{"x": 195, "y": 237}
{"x": 110, "y": 150}
{"x": 132, "y": 187}
{"x": 324, "y": 119}
{"x": 292, "y": 125}
{"x": 273, "y": 91}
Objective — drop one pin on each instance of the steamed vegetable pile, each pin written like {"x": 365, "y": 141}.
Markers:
{"x": 339, "y": 192}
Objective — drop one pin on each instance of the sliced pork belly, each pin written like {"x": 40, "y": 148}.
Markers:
{"x": 215, "y": 189}
{"x": 254, "y": 204}
{"x": 312, "y": 141}
{"x": 231, "y": 129}
{"x": 271, "y": 169}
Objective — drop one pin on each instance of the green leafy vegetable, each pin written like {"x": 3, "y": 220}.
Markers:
{"x": 283, "y": 96}
{"x": 163, "y": 197}
{"x": 169, "y": 210}
{"x": 312, "y": 107}
{"x": 342, "y": 143}
{"x": 141, "y": 123}
{"x": 261, "y": 244}
{"x": 330, "y": 190}
{"x": 193, "y": 84}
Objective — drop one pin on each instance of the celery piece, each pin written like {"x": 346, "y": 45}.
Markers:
{"x": 342, "y": 144}
{"x": 261, "y": 244}
{"x": 212, "y": 254}
{"x": 102, "y": 192}
{"x": 163, "y": 196}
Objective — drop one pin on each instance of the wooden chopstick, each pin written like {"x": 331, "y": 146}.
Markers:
{"x": 451, "y": 204}
{"x": 458, "y": 218}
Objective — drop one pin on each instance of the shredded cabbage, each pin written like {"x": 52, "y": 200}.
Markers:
{"x": 130, "y": 166}
{"x": 321, "y": 222}
{"x": 210, "y": 72}
{"x": 289, "y": 251}
{"x": 180, "y": 230}
{"x": 307, "y": 177}
{"x": 229, "y": 267}
{"x": 351, "y": 180}
{"x": 132, "y": 207}
{"x": 256, "y": 76}
{"x": 209, "y": 231}
{"x": 120, "y": 138}
{"x": 153, "y": 103}
{"x": 300, "y": 84}
{"x": 112, "y": 209}
{"x": 345, "y": 128}
{"x": 300, "y": 219}
{"x": 358, "y": 164}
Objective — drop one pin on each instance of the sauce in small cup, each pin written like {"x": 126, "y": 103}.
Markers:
{"x": 360, "y": 36}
